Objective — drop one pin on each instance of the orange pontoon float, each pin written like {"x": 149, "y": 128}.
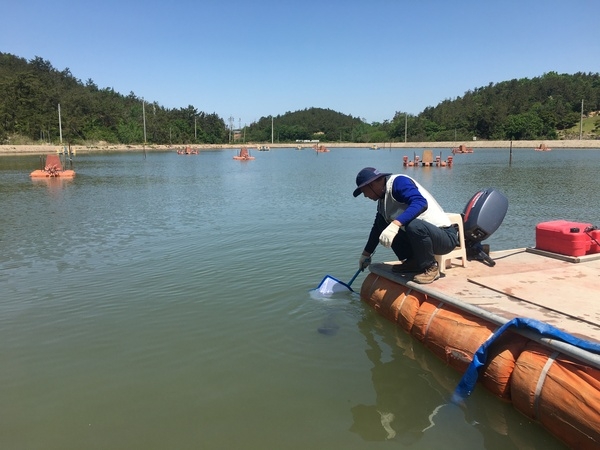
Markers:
{"x": 187, "y": 151}
{"x": 462, "y": 149}
{"x": 440, "y": 163}
{"x": 52, "y": 169}
{"x": 427, "y": 161}
{"x": 550, "y": 382}
{"x": 243, "y": 155}
{"x": 542, "y": 148}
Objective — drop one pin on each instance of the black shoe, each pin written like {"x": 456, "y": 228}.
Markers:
{"x": 408, "y": 266}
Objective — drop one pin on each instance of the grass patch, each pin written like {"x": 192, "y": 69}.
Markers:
{"x": 589, "y": 127}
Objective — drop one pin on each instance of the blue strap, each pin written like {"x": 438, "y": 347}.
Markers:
{"x": 469, "y": 378}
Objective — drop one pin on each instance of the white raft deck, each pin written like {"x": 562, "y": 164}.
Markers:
{"x": 559, "y": 290}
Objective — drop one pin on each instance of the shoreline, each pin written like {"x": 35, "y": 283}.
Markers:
{"x": 532, "y": 144}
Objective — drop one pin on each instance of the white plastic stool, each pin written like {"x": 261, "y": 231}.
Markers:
{"x": 445, "y": 261}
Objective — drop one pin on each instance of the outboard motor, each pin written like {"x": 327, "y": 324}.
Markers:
{"x": 482, "y": 217}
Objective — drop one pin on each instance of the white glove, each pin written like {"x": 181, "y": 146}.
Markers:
{"x": 364, "y": 262}
{"x": 388, "y": 235}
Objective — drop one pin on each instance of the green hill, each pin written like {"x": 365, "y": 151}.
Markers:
{"x": 546, "y": 107}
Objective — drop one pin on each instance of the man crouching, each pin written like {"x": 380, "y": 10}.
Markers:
{"x": 409, "y": 220}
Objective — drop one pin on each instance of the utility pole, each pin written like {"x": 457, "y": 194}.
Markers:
{"x": 59, "y": 124}
{"x": 231, "y": 119}
{"x": 581, "y": 122}
{"x": 144, "y": 116}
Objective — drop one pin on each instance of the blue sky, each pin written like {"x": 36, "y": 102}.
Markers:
{"x": 253, "y": 59}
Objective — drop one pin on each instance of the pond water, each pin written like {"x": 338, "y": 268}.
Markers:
{"x": 164, "y": 301}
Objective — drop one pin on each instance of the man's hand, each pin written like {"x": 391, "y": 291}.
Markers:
{"x": 388, "y": 235}
{"x": 364, "y": 261}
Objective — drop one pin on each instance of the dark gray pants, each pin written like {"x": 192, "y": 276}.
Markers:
{"x": 420, "y": 241}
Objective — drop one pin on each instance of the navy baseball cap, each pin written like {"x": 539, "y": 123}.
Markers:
{"x": 366, "y": 176}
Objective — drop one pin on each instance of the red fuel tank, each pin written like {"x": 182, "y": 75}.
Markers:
{"x": 567, "y": 238}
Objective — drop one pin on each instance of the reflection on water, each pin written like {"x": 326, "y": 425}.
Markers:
{"x": 164, "y": 302}
{"x": 404, "y": 399}
{"x": 412, "y": 401}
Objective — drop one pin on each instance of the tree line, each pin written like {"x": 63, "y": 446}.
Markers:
{"x": 30, "y": 92}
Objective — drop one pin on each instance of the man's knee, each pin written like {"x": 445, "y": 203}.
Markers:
{"x": 416, "y": 228}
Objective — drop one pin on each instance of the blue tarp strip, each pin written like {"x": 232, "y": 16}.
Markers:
{"x": 469, "y": 379}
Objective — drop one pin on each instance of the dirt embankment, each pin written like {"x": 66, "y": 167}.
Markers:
{"x": 560, "y": 144}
